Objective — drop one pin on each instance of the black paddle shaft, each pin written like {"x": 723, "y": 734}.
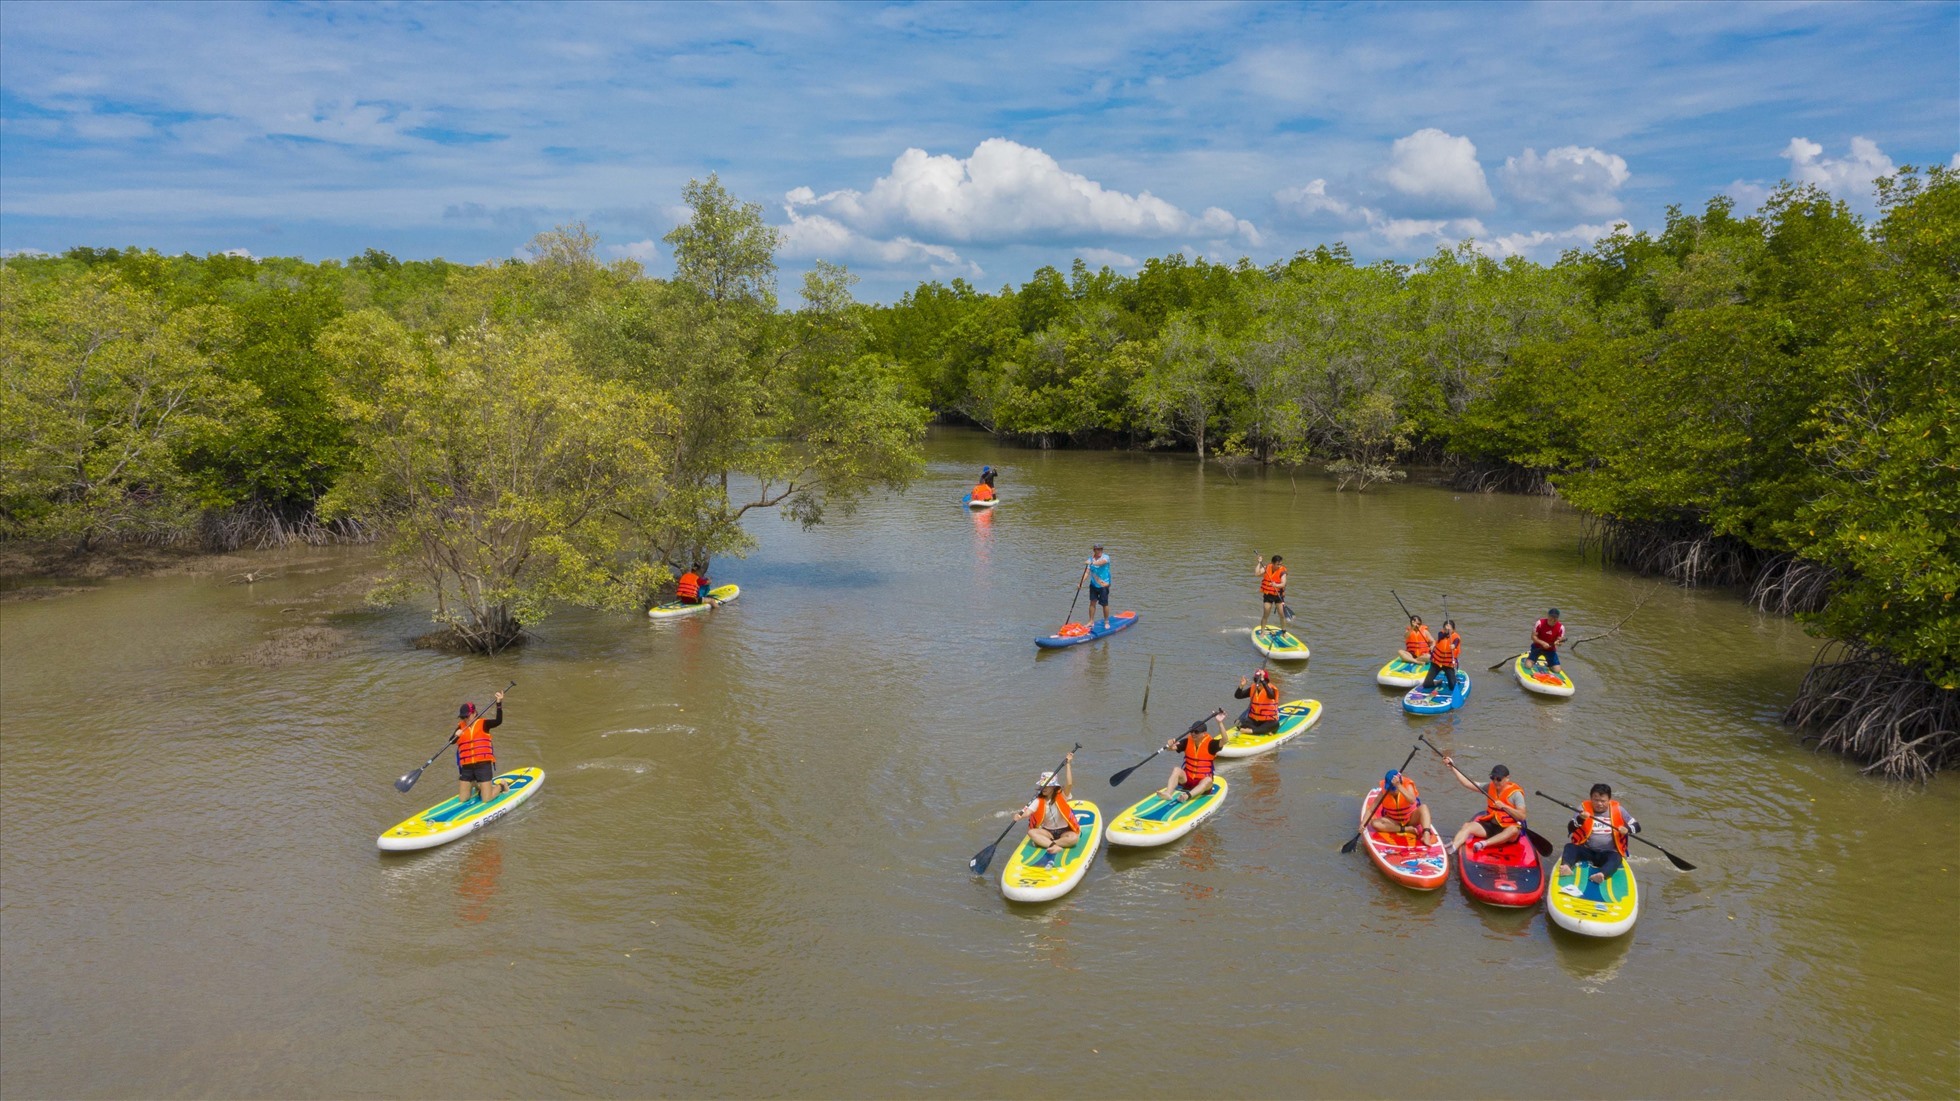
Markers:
{"x": 1078, "y": 596}
{"x": 1405, "y": 608}
{"x": 1356, "y": 839}
{"x": 986, "y": 856}
{"x": 408, "y": 780}
{"x": 1672, "y": 859}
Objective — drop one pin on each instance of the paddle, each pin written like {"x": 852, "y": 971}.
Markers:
{"x": 402, "y": 785}
{"x": 1405, "y": 608}
{"x": 986, "y": 856}
{"x": 1078, "y": 596}
{"x": 1125, "y": 774}
{"x": 1356, "y": 839}
{"x": 1675, "y": 860}
{"x": 1146, "y": 681}
{"x": 1538, "y": 840}
{"x": 1507, "y": 661}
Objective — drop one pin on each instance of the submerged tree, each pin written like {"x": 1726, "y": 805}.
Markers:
{"x": 498, "y": 472}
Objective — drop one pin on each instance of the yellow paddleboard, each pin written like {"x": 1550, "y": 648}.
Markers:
{"x": 454, "y": 818}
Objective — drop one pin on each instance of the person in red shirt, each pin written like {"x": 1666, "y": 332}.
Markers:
{"x": 1545, "y": 637}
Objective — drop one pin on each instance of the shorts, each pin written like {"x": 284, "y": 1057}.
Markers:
{"x": 481, "y": 772}
{"x": 1274, "y": 598}
{"x": 1550, "y": 657}
{"x": 1491, "y": 828}
{"x": 1099, "y": 594}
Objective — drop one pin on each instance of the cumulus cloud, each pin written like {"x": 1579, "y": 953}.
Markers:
{"x": 1581, "y": 180}
{"x": 1547, "y": 244}
{"x": 1006, "y": 191}
{"x": 817, "y": 237}
{"x": 1849, "y": 176}
{"x": 243, "y": 253}
{"x": 1311, "y": 199}
{"x": 1439, "y": 169}
{"x": 1103, "y": 257}
{"x": 643, "y": 252}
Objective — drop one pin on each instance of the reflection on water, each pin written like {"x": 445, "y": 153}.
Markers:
{"x": 747, "y": 869}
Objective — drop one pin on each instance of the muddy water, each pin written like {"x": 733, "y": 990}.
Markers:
{"x": 744, "y": 875}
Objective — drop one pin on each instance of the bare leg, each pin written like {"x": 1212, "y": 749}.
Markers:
{"x": 1502, "y": 837}
{"x": 1199, "y": 788}
{"x": 462, "y": 791}
{"x": 1041, "y": 838}
{"x": 1428, "y": 829}
{"x": 1469, "y": 830}
{"x": 1067, "y": 840}
{"x": 1177, "y": 780}
{"x": 488, "y": 790}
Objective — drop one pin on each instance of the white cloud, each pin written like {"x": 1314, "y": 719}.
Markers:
{"x": 1103, "y": 257}
{"x": 1312, "y": 198}
{"x": 1582, "y": 180}
{"x": 1954, "y": 163}
{"x": 1547, "y": 244}
{"x": 644, "y": 252}
{"x": 1848, "y": 178}
{"x": 242, "y": 252}
{"x": 1438, "y": 168}
{"x": 816, "y": 237}
{"x": 1007, "y": 191}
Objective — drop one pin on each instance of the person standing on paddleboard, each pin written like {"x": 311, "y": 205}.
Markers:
{"x": 1098, "y": 566}
{"x": 1545, "y": 637}
{"x": 987, "y": 476}
{"x": 1272, "y": 589}
{"x": 1262, "y": 713}
{"x": 1200, "y": 745}
{"x": 1051, "y": 821}
{"x": 1599, "y": 836}
{"x": 1504, "y": 808}
{"x": 476, "y": 759}
{"x": 1416, "y": 644}
{"x": 1443, "y": 657}
{"x": 1401, "y": 809}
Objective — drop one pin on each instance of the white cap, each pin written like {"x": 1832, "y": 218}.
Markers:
{"x": 1047, "y": 778}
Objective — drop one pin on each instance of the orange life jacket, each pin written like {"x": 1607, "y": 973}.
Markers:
{"x": 1397, "y": 805}
{"x": 1583, "y": 831}
{"x": 1040, "y": 813}
{"x": 1273, "y": 581}
{"x": 1498, "y": 795}
{"x": 1265, "y": 703}
{"x": 1443, "y": 655}
{"x": 983, "y": 492}
{"x": 689, "y": 587}
{"x": 473, "y": 743}
{"x": 1198, "y": 757}
{"x": 1417, "y": 642}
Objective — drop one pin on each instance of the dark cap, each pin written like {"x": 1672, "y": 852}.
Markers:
{"x": 1499, "y": 772}
{"x": 1553, "y": 613}
{"x": 466, "y": 710}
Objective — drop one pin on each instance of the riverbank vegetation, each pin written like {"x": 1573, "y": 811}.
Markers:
{"x": 1762, "y": 399}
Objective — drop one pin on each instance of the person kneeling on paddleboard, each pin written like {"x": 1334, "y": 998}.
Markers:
{"x": 1416, "y": 644}
{"x": 1443, "y": 657}
{"x": 1272, "y": 589}
{"x": 1599, "y": 836}
{"x": 1401, "y": 809}
{"x": 476, "y": 760}
{"x": 693, "y": 586}
{"x": 1262, "y": 715}
{"x": 1200, "y": 745}
{"x": 1051, "y": 822}
{"x": 1098, "y": 565}
{"x": 1497, "y": 825}
{"x": 1545, "y": 636}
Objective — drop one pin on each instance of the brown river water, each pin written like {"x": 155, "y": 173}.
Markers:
{"x": 745, "y": 872}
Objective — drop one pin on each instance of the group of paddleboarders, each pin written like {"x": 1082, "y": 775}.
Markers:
{"x": 1440, "y": 652}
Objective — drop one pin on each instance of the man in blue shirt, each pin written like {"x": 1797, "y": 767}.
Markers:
{"x": 1098, "y": 585}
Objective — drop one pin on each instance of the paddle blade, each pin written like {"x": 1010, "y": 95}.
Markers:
{"x": 1123, "y": 775}
{"x": 1352, "y": 843}
{"x": 1677, "y": 861}
{"x": 978, "y": 865}
{"x": 402, "y": 785}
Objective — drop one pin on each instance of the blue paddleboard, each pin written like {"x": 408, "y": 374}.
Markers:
{"x": 1117, "y": 622}
{"x": 1418, "y": 702}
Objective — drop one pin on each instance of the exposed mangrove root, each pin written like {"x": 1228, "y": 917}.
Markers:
{"x": 1867, "y": 706}
{"x": 261, "y": 527}
{"x": 1502, "y": 478}
{"x": 1788, "y": 584}
{"x": 1685, "y": 553}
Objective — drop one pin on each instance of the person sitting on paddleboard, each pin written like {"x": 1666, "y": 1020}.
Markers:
{"x": 1098, "y": 566}
{"x": 1401, "y": 809}
{"x": 1443, "y": 657}
{"x": 1272, "y": 589}
{"x": 987, "y": 476}
{"x": 1200, "y": 745}
{"x": 476, "y": 759}
{"x": 1051, "y": 821}
{"x": 1545, "y": 636}
{"x": 693, "y": 587}
{"x": 982, "y": 490}
{"x": 1416, "y": 644}
{"x": 1599, "y": 836}
{"x": 1262, "y": 714}
{"x": 1504, "y": 809}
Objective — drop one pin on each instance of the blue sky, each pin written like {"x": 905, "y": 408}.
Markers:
{"x": 913, "y": 142}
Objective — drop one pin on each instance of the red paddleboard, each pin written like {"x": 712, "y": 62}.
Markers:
{"x": 1504, "y": 875}
{"x": 1404, "y": 857}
